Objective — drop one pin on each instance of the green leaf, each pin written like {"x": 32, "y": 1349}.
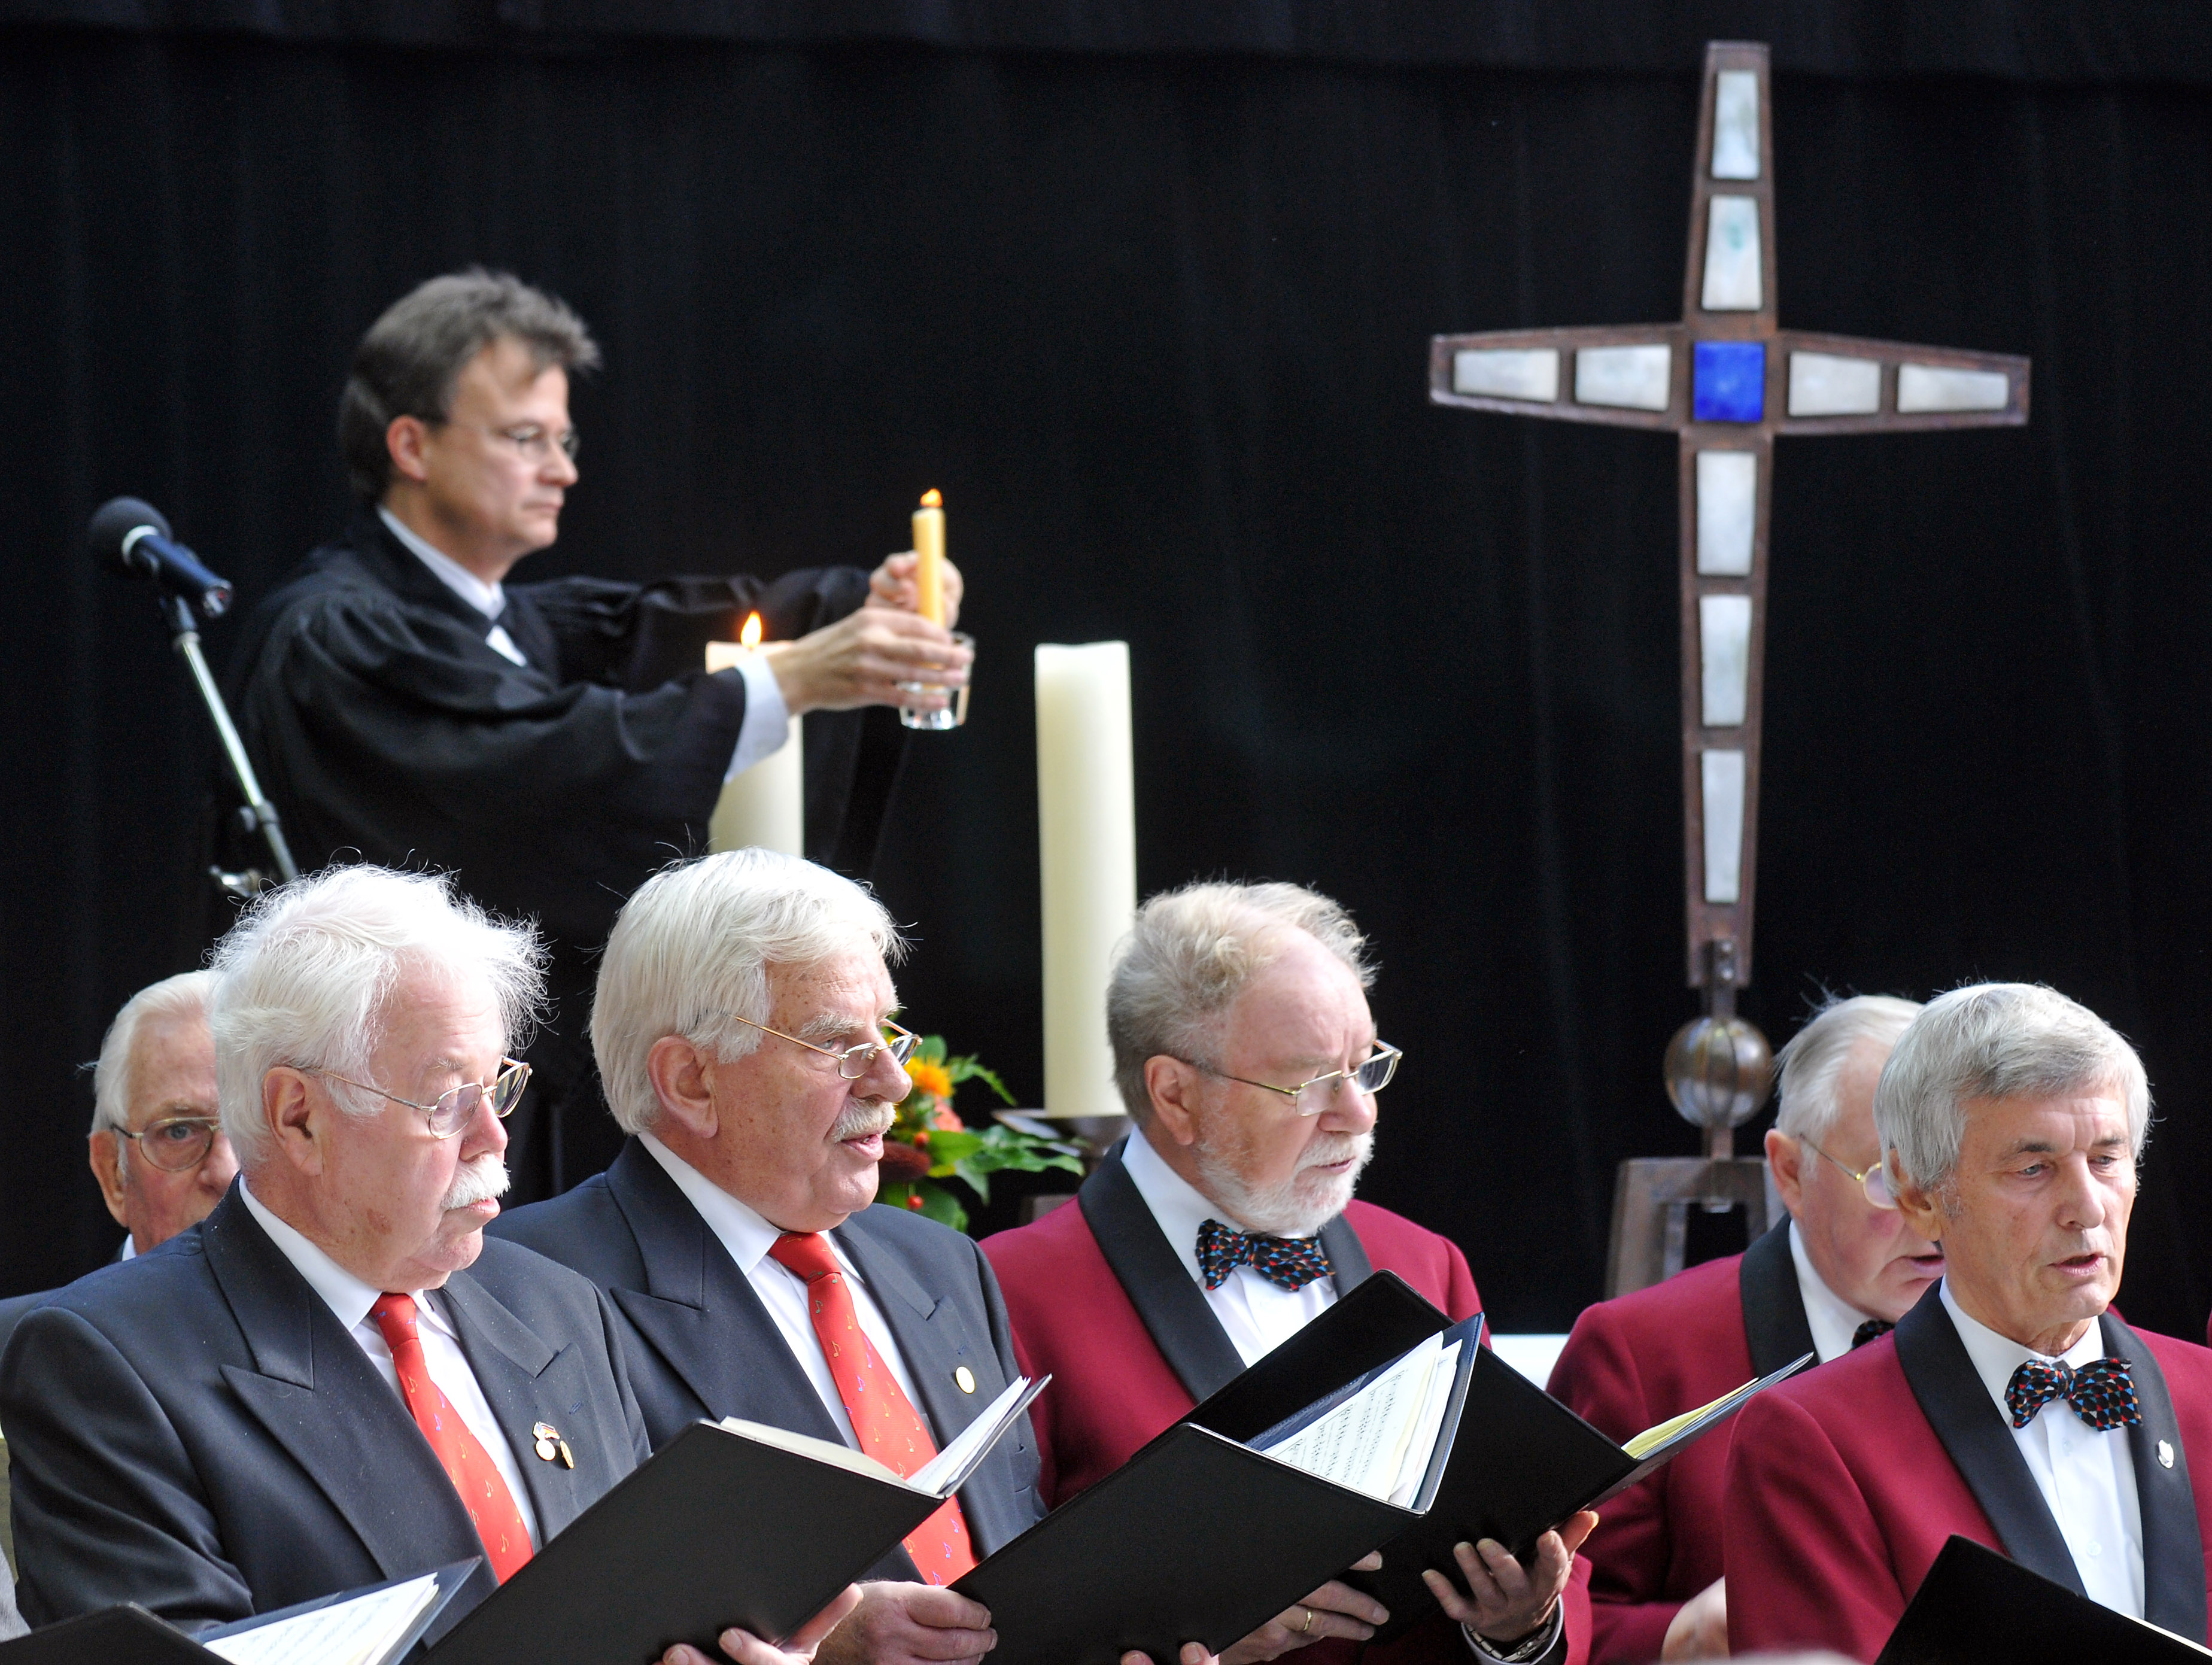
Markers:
{"x": 937, "y": 1203}
{"x": 967, "y": 1069}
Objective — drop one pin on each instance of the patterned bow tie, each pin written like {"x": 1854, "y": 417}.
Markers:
{"x": 1870, "y": 1331}
{"x": 1288, "y": 1263}
{"x": 2101, "y": 1392}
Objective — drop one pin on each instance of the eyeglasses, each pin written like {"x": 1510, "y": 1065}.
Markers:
{"x": 176, "y": 1144}
{"x": 456, "y": 1107}
{"x": 1312, "y": 1098}
{"x": 536, "y": 444}
{"x": 1873, "y": 1180}
{"x": 853, "y": 1061}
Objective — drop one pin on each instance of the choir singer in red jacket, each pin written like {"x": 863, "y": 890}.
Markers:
{"x": 1245, "y": 1052}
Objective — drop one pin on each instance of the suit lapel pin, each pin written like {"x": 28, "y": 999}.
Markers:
{"x": 550, "y": 1444}
{"x": 966, "y": 1380}
{"x": 2165, "y": 1455}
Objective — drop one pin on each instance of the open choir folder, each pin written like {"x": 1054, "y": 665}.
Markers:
{"x": 371, "y": 1626}
{"x": 1203, "y": 1538}
{"x": 1522, "y": 1463}
{"x": 731, "y": 1522}
{"x": 1978, "y": 1607}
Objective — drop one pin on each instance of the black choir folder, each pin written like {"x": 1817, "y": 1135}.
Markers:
{"x": 371, "y": 1626}
{"x": 1978, "y": 1607}
{"x": 1203, "y": 1537}
{"x": 1522, "y": 1462}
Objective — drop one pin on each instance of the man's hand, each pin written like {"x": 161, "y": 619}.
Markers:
{"x": 1510, "y": 1602}
{"x": 1700, "y": 1630}
{"x": 860, "y": 658}
{"x": 893, "y": 584}
{"x": 747, "y": 1648}
{"x": 1335, "y": 1609}
{"x": 898, "y": 1624}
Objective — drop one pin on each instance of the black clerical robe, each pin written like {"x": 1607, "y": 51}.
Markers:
{"x": 385, "y": 729}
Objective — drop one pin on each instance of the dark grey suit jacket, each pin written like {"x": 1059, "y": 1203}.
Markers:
{"x": 194, "y": 1431}
{"x": 701, "y": 1344}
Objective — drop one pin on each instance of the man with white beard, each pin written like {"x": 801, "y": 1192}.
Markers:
{"x": 333, "y": 1380}
{"x": 1247, "y": 1056}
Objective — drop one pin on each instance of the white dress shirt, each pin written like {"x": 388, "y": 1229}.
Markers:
{"x": 350, "y": 1300}
{"x": 767, "y": 720}
{"x": 748, "y": 1238}
{"x": 1833, "y": 1320}
{"x": 1258, "y": 1316}
{"x": 2087, "y": 1478}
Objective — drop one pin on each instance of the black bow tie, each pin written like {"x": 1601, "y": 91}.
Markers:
{"x": 1868, "y": 1331}
{"x": 1288, "y": 1263}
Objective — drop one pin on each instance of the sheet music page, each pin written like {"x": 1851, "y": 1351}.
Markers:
{"x": 1421, "y": 1436}
{"x": 356, "y": 1632}
{"x": 932, "y": 1475}
{"x": 1360, "y": 1443}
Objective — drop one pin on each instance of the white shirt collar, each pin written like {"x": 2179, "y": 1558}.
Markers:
{"x": 345, "y": 1295}
{"x": 1833, "y": 1320}
{"x": 1178, "y": 1207}
{"x": 1996, "y": 1357}
{"x": 742, "y": 1232}
{"x": 489, "y": 599}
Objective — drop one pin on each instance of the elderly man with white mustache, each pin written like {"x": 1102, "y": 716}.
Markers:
{"x": 333, "y": 1380}
{"x": 1248, "y": 1058}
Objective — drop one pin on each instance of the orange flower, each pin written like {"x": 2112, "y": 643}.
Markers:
{"x": 933, "y": 1078}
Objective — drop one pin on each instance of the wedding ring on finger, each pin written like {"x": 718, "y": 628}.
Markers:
{"x": 1306, "y": 1629}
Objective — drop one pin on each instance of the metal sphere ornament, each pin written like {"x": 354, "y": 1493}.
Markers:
{"x": 1719, "y": 1072}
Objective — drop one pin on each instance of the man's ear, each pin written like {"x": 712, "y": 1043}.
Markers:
{"x": 105, "y": 1155}
{"x": 1922, "y": 1208}
{"x": 404, "y": 439}
{"x": 1785, "y": 1158}
{"x": 682, "y": 1080}
{"x": 294, "y": 1118}
{"x": 1174, "y": 1086}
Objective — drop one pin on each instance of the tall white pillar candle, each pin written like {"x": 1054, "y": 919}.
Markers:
{"x": 766, "y": 805}
{"x": 1087, "y": 857}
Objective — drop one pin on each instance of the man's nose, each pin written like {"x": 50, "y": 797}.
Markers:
{"x": 560, "y": 468}
{"x": 1350, "y": 1110}
{"x": 2081, "y": 1201}
{"x": 220, "y": 1166}
{"x": 885, "y": 1078}
{"x": 485, "y": 1134}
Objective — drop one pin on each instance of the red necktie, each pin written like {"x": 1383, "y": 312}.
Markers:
{"x": 890, "y": 1429}
{"x": 468, "y": 1465}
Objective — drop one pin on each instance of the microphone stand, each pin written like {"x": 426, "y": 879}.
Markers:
{"x": 259, "y": 811}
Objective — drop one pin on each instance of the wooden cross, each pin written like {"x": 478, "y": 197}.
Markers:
{"x": 1727, "y": 380}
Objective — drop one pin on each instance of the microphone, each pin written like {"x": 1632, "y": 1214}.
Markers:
{"x": 134, "y": 538}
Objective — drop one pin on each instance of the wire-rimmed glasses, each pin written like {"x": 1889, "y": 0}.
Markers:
{"x": 456, "y": 1107}
{"x": 853, "y": 1062}
{"x": 1370, "y": 1076}
{"x": 1873, "y": 1180}
{"x": 175, "y": 1144}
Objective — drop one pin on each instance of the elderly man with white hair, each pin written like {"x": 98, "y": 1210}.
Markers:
{"x": 1842, "y": 1268}
{"x": 2010, "y": 1406}
{"x": 1247, "y": 1056}
{"x": 332, "y": 1380}
{"x": 743, "y": 1027}
{"x": 156, "y": 1147}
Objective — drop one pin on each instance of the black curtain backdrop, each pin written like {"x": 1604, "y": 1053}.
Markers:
{"x": 1152, "y": 304}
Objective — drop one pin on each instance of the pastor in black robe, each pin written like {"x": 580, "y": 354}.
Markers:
{"x": 385, "y": 729}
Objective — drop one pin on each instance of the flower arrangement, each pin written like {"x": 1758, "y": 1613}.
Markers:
{"x": 929, "y": 1142}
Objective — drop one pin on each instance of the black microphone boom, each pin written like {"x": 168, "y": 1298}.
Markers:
{"x": 134, "y": 537}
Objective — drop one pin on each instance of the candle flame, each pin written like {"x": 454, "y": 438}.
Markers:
{"x": 751, "y": 635}
{"x": 932, "y": 498}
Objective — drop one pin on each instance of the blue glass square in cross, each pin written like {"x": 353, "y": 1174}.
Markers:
{"x": 1729, "y": 381}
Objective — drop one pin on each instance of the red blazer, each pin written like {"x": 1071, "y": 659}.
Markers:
{"x": 1115, "y": 1386}
{"x": 1635, "y": 1361}
{"x": 1844, "y": 1484}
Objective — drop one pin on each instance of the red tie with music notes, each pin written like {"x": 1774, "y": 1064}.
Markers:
{"x": 467, "y": 1464}
{"x": 888, "y": 1428}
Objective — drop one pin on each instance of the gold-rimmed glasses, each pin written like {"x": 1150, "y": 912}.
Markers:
{"x": 175, "y": 1144}
{"x": 456, "y": 1107}
{"x": 535, "y": 443}
{"x": 853, "y": 1062}
{"x": 1311, "y": 1098}
{"x": 1873, "y": 1180}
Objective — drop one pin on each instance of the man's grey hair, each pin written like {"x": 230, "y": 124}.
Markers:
{"x": 691, "y": 952}
{"x": 185, "y": 995}
{"x": 407, "y": 363}
{"x": 304, "y": 978}
{"x": 1812, "y": 1063}
{"x": 1191, "y": 953}
{"x": 1995, "y": 1041}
